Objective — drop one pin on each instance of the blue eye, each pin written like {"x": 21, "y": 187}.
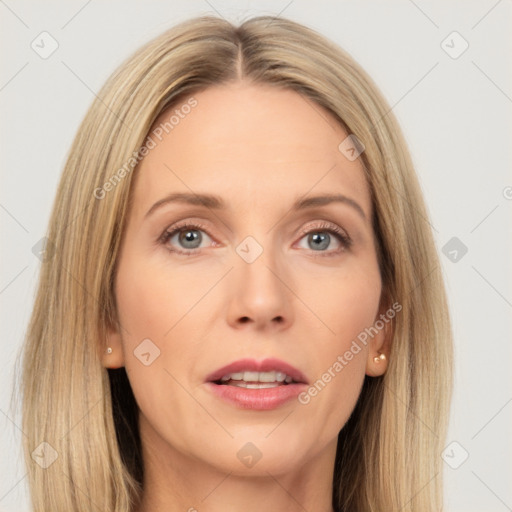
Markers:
{"x": 188, "y": 237}
{"x": 321, "y": 238}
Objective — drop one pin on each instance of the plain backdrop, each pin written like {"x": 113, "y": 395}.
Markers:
{"x": 453, "y": 103}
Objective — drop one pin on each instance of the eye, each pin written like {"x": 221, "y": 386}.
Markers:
{"x": 325, "y": 236}
{"x": 186, "y": 238}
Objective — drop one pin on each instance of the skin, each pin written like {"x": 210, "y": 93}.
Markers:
{"x": 259, "y": 148}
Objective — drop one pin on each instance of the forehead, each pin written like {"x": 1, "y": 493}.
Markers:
{"x": 252, "y": 144}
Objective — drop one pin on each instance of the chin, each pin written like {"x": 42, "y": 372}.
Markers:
{"x": 258, "y": 455}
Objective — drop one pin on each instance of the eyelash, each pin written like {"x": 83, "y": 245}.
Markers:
{"x": 325, "y": 227}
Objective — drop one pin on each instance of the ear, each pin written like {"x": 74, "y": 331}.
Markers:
{"x": 381, "y": 340}
{"x": 113, "y": 358}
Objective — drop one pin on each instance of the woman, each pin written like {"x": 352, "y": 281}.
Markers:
{"x": 243, "y": 306}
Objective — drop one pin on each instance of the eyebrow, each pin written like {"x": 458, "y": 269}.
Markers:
{"x": 216, "y": 203}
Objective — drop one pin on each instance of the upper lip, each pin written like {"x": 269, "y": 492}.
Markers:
{"x": 266, "y": 365}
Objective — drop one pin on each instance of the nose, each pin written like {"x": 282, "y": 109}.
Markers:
{"x": 260, "y": 295}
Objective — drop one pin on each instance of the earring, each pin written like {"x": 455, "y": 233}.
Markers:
{"x": 109, "y": 350}
{"x": 380, "y": 358}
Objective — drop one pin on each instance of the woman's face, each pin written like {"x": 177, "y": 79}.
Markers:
{"x": 257, "y": 271}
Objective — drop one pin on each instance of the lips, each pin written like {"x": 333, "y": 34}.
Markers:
{"x": 257, "y": 385}
{"x": 251, "y": 365}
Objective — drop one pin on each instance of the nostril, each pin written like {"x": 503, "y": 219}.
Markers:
{"x": 244, "y": 319}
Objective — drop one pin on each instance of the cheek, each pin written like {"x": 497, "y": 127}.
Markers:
{"x": 153, "y": 297}
{"x": 152, "y": 304}
{"x": 164, "y": 305}
{"x": 347, "y": 303}
{"x": 344, "y": 300}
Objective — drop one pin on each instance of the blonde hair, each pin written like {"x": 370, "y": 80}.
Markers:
{"x": 389, "y": 452}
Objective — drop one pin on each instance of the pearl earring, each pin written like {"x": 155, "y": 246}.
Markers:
{"x": 109, "y": 350}
{"x": 380, "y": 358}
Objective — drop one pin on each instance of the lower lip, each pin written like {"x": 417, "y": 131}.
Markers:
{"x": 256, "y": 399}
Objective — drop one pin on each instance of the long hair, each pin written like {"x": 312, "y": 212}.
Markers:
{"x": 388, "y": 455}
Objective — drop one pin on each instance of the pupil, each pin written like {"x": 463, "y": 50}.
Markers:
{"x": 189, "y": 238}
{"x": 320, "y": 240}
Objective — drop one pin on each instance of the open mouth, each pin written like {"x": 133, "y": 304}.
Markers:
{"x": 256, "y": 380}
{"x": 257, "y": 385}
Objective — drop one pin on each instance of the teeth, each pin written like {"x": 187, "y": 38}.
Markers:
{"x": 253, "y": 385}
{"x": 263, "y": 385}
{"x": 266, "y": 377}
{"x": 255, "y": 377}
{"x": 251, "y": 376}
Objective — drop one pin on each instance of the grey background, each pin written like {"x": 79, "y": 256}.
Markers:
{"x": 456, "y": 114}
